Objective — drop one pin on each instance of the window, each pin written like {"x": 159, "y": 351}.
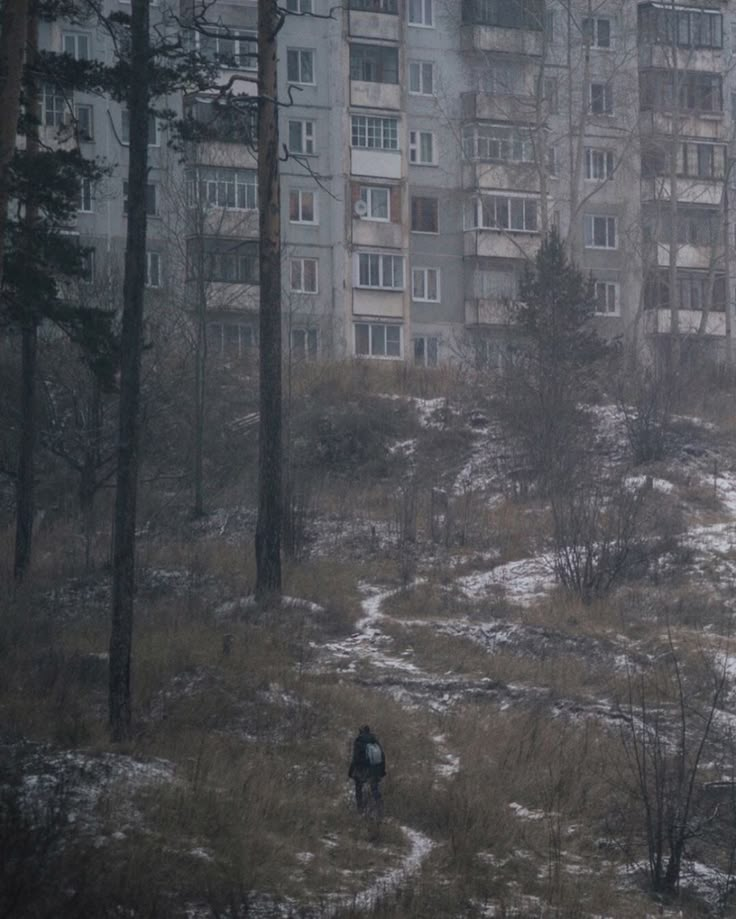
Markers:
{"x": 496, "y": 143}
{"x": 425, "y": 284}
{"x": 299, "y": 6}
{"x": 421, "y": 78}
{"x": 235, "y": 188}
{"x": 84, "y": 197}
{"x": 375, "y": 6}
{"x": 600, "y": 232}
{"x": 374, "y": 63}
{"x": 422, "y": 148}
{"x": 597, "y": 32}
{"x": 208, "y": 119}
{"x": 502, "y": 212}
{"x": 421, "y": 13}
{"x": 696, "y": 226}
{"x": 598, "y": 164}
{"x": 229, "y": 340}
{"x": 377, "y": 201}
{"x": 551, "y": 97}
{"x": 699, "y": 91}
{"x": 83, "y": 118}
{"x": 87, "y": 274}
{"x": 77, "y": 45}
{"x": 503, "y": 79}
{"x": 153, "y": 139}
{"x": 232, "y": 261}
{"x": 230, "y": 48}
{"x": 301, "y": 137}
{"x": 601, "y": 99}
{"x": 54, "y": 106}
{"x": 374, "y": 339}
{"x": 606, "y": 298}
{"x": 703, "y": 161}
{"x": 151, "y": 199}
{"x": 375, "y": 133}
{"x": 695, "y": 290}
{"x": 153, "y": 269}
{"x": 687, "y": 28}
{"x": 425, "y": 214}
{"x": 385, "y": 272}
{"x": 300, "y": 65}
{"x": 302, "y": 206}
{"x": 304, "y": 344}
{"x": 505, "y": 14}
{"x": 426, "y": 351}
{"x": 303, "y": 275}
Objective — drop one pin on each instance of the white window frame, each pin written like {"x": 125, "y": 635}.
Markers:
{"x": 384, "y": 326}
{"x": 413, "y": 229}
{"x": 423, "y": 275}
{"x": 367, "y": 193}
{"x": 307, "y": 144}
{"x": 86, "y": 199}
{"x": 125, "y": 129}
{"x": 381, "y": 267}
{"x": 594, "y": 32}
{"x": 77, "y": 39}
{"x": 87, "y": 137}
{"x": 415, "y": 148}
{"x": 300, "y": 287}
{"x": 300, "y": 52}
{"x": 153, "y": 277}
{"x": 608, "y": 100}
{"x": 418, "y": 71}
{"x": 55, "y": 107}
{"x": 217, "y": 184}
{"x": 299, "y": 6}
{"x": 374, "y": 127}
{"x": 606, "y": 160}
{"x": 474, "y": 215}
{"x": 589, "y": 226}
{"x": 420, "y": 13}
{"x": 301, "y": 194}
{"x": 425, "y": 361}
{"x": 156, "y": 202}
{"x": 310, "y": 348}
{"x": 610, "y": 291}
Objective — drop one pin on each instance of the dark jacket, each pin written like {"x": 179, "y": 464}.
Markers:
{"x": 360, "y": 768}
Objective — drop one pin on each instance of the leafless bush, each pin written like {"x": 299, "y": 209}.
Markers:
{"x": 668, "y": 722}
{"x": 646, "y": 403}
{"x": 596, "y": 530}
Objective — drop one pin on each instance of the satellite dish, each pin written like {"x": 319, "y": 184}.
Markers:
{"x": 360, "y": 208}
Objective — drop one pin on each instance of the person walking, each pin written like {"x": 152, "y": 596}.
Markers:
{"x": 368, "y": 764}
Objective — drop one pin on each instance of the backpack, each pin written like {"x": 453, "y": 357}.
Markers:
{"x": 373, "y": 753}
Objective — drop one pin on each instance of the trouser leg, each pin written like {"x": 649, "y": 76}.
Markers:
{"x": 359, "y": 795}
{"x": 377, "y": 799}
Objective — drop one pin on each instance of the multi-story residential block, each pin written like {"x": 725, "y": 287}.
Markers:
{"x": 429, "y": 145}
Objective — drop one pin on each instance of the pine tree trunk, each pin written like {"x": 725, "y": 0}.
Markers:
{"x": 268, "y": 526}
{"x": 12, "y": 46}
{"x": 24, "y": 491}
{"x": 130, "y": 372}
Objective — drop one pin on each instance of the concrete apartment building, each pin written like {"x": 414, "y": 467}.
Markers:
{"x": 431, "y": 143}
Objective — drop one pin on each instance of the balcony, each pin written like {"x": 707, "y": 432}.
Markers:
{"x": 488, "y": 312}
{"x": 688, "y": 190}
{"x": 478, "y": 37}
{"x": 377, "y": 233}
{"x": 658, "y": 322}
{"x": 510, "y": 176}
{"x": 688, "y": 256}
{"x": 520, "y": 109}
{"x": 386, "y": 304}
{"x": 710, "y": 59}
{"x": 375, "y": 95}
{"x": 499, "y": 244}
{"x": 377, "y": 19}
{"x": 386, "y": 164}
